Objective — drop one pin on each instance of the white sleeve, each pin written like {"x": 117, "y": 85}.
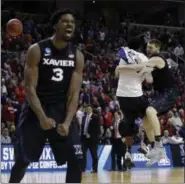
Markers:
{"x": 142, "y": 58}
{"x": 122, "y": 62}
{"x": 123, "y": 56}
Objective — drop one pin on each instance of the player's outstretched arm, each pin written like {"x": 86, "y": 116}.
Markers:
{"x": 155, "y": 61}
{"x": 74, "y": 88}
{"x": 126, "y": 68}
{"x": 31, "y": 78}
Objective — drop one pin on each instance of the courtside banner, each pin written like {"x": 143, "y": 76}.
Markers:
{"x": 47, "y": 162}
{"x": 140, "y": 160}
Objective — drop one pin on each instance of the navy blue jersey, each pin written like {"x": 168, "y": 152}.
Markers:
{"x": 55, "y": 71}
{"x": 163, "y": 78}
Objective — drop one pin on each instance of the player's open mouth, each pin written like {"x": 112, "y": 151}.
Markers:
{"x": 69, "y": 31}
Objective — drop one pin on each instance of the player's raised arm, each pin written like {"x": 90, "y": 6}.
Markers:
{"x": 31, "y": 79}
{"x": 136, "y": 67}
{"x": 74, "y": 88}
{"x": 153, "y": 62}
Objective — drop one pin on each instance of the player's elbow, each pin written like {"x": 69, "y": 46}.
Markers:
{"x": 149, "y": 80}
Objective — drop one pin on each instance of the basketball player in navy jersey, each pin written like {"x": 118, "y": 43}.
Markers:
{"x": 165, "y": 97}
{"x": 53, "y": 77}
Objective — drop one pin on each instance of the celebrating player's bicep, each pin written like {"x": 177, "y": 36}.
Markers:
{"x": 31, "y": 78}
{"x": 76, "y": 80}
{"x": 74, "y": 89}
{"x": 31, "y": 67}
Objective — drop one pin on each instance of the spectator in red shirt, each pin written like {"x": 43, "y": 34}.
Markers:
{"x": 102, "y": 101}
{"x": 93, "y": 89}
{"x": 107, "y": 98}
{"x": 20, "y": 93}
{"x": 104, "y": 66}
{"x": 99, "y": 73}
{"x": 9, "y": 113}
{"x": 108, "y": 118}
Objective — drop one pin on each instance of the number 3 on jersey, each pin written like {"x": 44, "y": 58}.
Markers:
{"x": 58, "y": 74}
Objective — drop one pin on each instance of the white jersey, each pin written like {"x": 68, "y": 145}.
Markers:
{"x": 130, "y": 83}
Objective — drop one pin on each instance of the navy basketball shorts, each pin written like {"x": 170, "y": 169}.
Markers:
{"x": 32, "y": 138}
{"x": 164, "y": 101}
{"x": 132, "y": 108}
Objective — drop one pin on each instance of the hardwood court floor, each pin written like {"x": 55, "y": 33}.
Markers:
{"x": 172, "y": 175}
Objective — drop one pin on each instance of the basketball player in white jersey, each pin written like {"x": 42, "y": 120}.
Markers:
{"x": 130, "y": 95}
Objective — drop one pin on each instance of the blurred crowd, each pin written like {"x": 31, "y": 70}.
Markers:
{"x": 99, "y": 44}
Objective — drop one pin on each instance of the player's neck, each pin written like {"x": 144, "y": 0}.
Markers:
{"x": 58, "y": 43}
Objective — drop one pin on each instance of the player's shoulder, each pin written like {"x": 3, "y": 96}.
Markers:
{"x": 34, "y": 48}
{"x": 38, "y": 47}
{"x": 142, "y": 57}
{"x": 33, "y": 53}
{"x": 161, "y": 57}
{"x": 122, "y": 52}
{"x": 44, "y": 40}
{"x": 160, "y": 54}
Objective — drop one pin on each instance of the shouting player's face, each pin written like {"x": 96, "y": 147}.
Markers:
{"x": 151, "y": 49}
{"x": 66, "y": 26}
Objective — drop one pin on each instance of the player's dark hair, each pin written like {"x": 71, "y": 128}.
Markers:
{"x": 156, "y": 42}
{"x": 56, "y": 16}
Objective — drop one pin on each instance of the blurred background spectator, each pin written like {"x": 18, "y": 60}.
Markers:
{"x": 5, "y": 138}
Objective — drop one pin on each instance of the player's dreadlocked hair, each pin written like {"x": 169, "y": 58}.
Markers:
{"x": 56, "y": 16}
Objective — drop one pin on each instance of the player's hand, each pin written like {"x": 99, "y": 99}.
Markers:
{"x": 47, "y": 123}
{"x": 146, "y": 70}
{"x": 88, "y": 136}
{"x": 63, "y": 129}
